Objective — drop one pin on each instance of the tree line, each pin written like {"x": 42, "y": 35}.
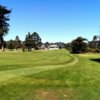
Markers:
{"x": 81, "y": 45}
{"x": 34, "y": 41}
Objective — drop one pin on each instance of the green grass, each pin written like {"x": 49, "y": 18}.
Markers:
{"x": 49, "y": 75}
{"x": 32, "y": 59}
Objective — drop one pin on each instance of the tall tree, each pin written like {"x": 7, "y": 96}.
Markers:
{"x": 32, "y": 41}
{"x": 4, "y": 26}
{"x": 95, "y": 38}
{"x": 78, "y": 45}
{"x": 94, "y": 42}
{"x": 11, "y": 44}
{"x": 28, "y": 41}
{"x": 47, "y": 44}
{"x": 37, "y": 40}
{"x": 17, "y": 42}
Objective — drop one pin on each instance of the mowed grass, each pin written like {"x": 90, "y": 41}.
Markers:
{"x": 45, "y": 75}
{"x": 13, "y": 60}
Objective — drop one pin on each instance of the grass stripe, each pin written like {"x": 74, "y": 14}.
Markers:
{"x": 9, "y": 74}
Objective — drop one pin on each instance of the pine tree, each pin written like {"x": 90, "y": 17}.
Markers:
{"x": 4, "y": 26}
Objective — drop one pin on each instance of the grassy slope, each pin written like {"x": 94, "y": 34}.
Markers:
{"x": 78, "y": 82}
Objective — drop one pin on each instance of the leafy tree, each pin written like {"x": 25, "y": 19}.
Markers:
{"x": 61, "y": 45}
{"x": 47, "y": 44}
{"x": 95, "y": 38}
{"x": 78, "y": 45}
{"x": 95, "y": 43}
{"x": 17, "y": 42}
{"x": 11, "y": 44}
{"x": 4, "y": 18}
{"x": 68, "y": 46}
{"x": 37, "y": 40}
{"x": 28, "y": 41}
{"x": 32, "y": 41}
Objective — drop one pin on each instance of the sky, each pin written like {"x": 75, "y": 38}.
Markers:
{"x": 53, "y": 20}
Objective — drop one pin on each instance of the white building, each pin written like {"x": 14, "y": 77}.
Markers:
{"x": 53, "y": 47}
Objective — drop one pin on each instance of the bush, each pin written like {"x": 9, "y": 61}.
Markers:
{"x": 93, "y": 50}
{"x": 97, "y": 50}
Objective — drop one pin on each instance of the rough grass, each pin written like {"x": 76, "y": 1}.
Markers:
{"x": 49, "y": 75}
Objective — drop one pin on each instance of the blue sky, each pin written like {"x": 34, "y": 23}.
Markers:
{"x": 54, "y": 20}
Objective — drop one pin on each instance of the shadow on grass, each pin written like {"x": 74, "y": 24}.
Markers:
{"x": 96, "y": 60}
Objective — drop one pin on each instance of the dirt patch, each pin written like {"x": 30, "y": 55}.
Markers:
{"x": 53, "y": 94}
{"x": 47, "y": 95}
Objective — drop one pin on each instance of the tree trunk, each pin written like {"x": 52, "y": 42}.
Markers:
{"x": 3, "y": 48}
